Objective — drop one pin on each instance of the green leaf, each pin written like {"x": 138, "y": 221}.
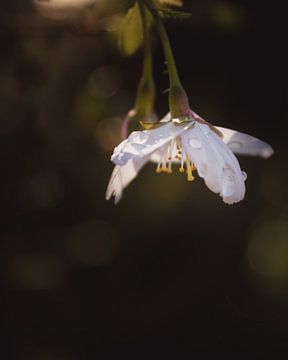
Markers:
{"x": 131, "y": 32}
{"x": 177, "y": 15}
{"x": 172, "y": 2}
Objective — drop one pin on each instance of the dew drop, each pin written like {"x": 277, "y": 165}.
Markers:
{"x": 266, "y": 153}
{"x": 234, "y": 145}
{"x": 195, "y": 143}
{"x": 228, "y": 174}
{"x": 206, "y": 129}
{"x": 244, "y": 175}
{"x": 228, "y": 182}
{"x": 138, "y": 137}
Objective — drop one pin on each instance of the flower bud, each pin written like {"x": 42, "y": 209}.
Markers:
{"x": 178, "y": 101}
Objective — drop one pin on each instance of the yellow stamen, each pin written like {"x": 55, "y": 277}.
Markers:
{"x": 178, "y": 145}
{"x": 170, "y": 157}
{"x": 165, "y": 162}
{"x": 182, "y": 164}
{"x": 169, "y": 170}
{"x": 190, "y": 176}
{"x": 158, "y": 170}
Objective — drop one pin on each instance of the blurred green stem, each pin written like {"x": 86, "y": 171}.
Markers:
{"x": 147, "y": 65}
{"x": 178, "y": 100}
{"x": 146, "y": 89}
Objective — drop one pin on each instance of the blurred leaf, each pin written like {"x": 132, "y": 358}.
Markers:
{"x": 178, "y": 15}
{"x": 172, "y": 2}
{"x": 163, "y": 7}
{"x": 131, "y": 32}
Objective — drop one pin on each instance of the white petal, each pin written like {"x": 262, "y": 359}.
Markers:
{"x": 215, "y": 163}
{"x": 244, "y": 144}
{"x": 122, "y": 176}
{"x": 142, "y": 143}
{"x": 157, "y": 155}
{"x": 166, "y": 118}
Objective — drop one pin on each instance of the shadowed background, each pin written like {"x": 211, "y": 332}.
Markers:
{"x": 171, "y": 268}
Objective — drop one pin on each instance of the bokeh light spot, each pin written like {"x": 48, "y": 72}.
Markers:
{"x": 37, "y": 271}
{"x": 93, "y": 243}
{"x": 104, "y": 82}
{"x": 268, "y": 249}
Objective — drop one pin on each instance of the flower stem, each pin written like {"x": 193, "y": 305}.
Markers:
{"x": 169, "y": 56}
{"x": 147, "y": 64}
{"x": 178, "y": 100}
{"x": 146, "y": 89}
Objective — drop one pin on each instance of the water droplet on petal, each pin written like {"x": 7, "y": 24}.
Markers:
{"x": 195, "y": 143}
{"x": 244, "y": 175}
{"x": 266, "y": 153}
{"x": 234, "y": 145}
{"x": 228, "y": 184}
{"x": 206, "y": 129}
{"x": 229, "y": 174}
{"x": 139, "y": 137}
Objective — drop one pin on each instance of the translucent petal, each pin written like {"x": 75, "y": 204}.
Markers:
{"x": 215, "y": 163}
{"x": 142, "y": 143}
{"x": 122, "y": 176}
{"x": 166, "y": 118}
{"x": 244, "y": 144}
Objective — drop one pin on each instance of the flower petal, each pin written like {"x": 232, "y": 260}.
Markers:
{"x": 215, "y": 162}
{"x": 142, "y": 143}
{"x": 244, "y": 144}
{"x": 122, "y": 176}
{"x": 166, "y": 118}
{"x": 157, "y": 155}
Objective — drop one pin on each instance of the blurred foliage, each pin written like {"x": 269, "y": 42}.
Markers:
{"x": 131, "y": 31}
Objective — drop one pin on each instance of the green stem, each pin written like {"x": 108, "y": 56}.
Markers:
{"x": 147, "y": 64}
{"x": 169, "y": 56}
{"x": 178, "y": 100}
{"x": 146, "y": 89}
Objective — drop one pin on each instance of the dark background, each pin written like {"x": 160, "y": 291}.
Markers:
{"x": 171, "y": 269}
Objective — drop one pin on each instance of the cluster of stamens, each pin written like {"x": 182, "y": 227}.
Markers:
{"x": 166, "y": 160}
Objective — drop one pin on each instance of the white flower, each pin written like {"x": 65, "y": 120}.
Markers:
{"x": 194, "y": 145}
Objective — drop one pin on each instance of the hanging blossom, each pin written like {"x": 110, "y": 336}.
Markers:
{"x": 193, "y": 145}
{"x": 185, "y": 139}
